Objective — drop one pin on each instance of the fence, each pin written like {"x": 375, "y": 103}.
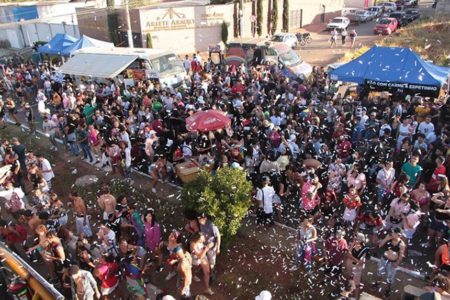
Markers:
{"x": 25, "y": 33}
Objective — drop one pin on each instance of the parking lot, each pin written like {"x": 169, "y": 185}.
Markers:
{"x": 319, "y": 53}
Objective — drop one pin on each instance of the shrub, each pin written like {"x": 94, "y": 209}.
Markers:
{"x": 149, "y": 40}
{"x": 286, "y": 15}
{"x": 259, "y": 16}
{"x": 225, "y": 197}
{"x": 274, "y": 17}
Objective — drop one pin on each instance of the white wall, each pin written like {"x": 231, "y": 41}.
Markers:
{"x": 357, "y": 3}
{"x": 33, "y": 32}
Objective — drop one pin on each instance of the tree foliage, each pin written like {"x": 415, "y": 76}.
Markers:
{"x": 285, "y": 15}
{"x": 274, "y": 17}
{"x": 269, "y": 16}
{"x": 259, "y": 16}
{"x": 225, "y": 197}
{"x": 149, "y": 42}
{"x": 224, "y": 32}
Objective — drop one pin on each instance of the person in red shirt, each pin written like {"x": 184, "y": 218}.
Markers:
{"x": 335, "y": 249}
{"x": 352, "y": 203}
{"x": 440, "y": 170}
{"x": 195, "y": 65}
{"x": 344, "y": 148}
{"x": 108, "y": 274}
{"x": 13, "y": 235}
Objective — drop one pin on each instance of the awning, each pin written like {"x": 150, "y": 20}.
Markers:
{"x": 97, "y": 65}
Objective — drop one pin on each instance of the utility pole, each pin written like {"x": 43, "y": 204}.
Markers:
{"x": 129, "y": 32}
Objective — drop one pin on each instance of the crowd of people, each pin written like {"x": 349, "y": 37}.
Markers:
{"x": 360, "y": 173}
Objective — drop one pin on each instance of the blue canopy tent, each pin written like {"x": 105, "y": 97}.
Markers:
{"x": 57, "y": 44}
{"x": 393, "y": 69}
{"x": 85, "y": 42}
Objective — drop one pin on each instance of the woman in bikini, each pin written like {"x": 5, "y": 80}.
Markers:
{"x": 182, "y": 260}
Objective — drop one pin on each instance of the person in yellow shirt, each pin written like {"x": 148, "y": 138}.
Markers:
{"x": 422, "y": 110}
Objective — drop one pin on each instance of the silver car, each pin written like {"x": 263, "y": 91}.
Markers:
{"x": 286, "y": 38}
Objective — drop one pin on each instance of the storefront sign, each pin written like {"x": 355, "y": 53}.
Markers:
{"x": 403, "y": 87}
{"x": 172, "y": 19}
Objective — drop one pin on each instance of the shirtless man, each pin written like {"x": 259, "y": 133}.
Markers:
{"x": 80, "y": 213}
{"x": 32, "y": 220}
{"x": 107, "y": 203}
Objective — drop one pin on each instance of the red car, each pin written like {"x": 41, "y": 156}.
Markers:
{"x": 386, "y": 26}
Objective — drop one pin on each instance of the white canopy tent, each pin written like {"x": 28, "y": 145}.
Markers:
{"x": 97, "y": 65}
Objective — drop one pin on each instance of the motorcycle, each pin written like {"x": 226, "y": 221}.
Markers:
{"x": 304, "y": 38}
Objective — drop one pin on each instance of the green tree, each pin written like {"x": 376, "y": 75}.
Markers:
{"x": 224, "y": 32}
{"x": 269, "y": 16}
{"x": 149, "y": 42}
{"x": 259, "y": 16}
{"x": 274, "y": 16}
{"x": 285, "y": 15}
{"x": 225, "y": 197}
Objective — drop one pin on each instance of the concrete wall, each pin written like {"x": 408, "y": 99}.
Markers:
{"x": 358, "y": 3}
{"x": 185, "y": 29}
{"x": 26, "y": 34}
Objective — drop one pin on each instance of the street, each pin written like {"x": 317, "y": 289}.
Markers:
{"x": 319, "y": 53}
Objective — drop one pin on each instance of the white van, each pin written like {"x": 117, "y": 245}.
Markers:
{"x": 109, "y": 62}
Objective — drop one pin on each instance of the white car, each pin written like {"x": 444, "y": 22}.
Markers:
{"x": 389, "y": 6}
{"x": 338, "y": 23}
{"x": 375, "y": 11}
{"x": 287, "y": 38}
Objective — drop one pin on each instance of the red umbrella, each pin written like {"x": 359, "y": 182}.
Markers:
{"x": 207, "y": 120}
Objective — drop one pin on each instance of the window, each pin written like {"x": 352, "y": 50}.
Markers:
{"x": 272, "y": 52}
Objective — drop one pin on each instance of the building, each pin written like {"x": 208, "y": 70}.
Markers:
{"x": 359, "y": 3}
{"x": 22, "y": 24}
{"x": 187, "y": 26}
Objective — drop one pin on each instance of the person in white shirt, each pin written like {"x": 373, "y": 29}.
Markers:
{"x": 127, "y": 161}
{"x": 265, "y": 196}
{"x": 187, "y": 64}
{"x": 385, "y": 179}
{"x": 426, "y": 126}
{"x": 46, "y": 169}
{"x": 49, "y": 126}
{"x": 13, "y": 197}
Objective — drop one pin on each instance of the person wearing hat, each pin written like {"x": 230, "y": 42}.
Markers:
{"x": 336, "y": 248}
{"x": 394, "y": 252}
{"x": 356, "y": 258}
{"x": 264, "y": 198}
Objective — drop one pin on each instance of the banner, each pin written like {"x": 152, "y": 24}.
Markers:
{"x": 411, "y": 88}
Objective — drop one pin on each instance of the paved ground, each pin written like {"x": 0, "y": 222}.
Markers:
{"x": 319, "y": 53}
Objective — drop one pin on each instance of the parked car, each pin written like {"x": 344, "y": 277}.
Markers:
{"x": 414, "y": 14}
{"x": 388, "y": 6}
{"x": 338, "y": 23}
{"x": 386, "y": 26}
{"x": 359, "y": 16}
{"x": 348, "y": 11}
{"x": 375, "y": 11}
{"x": 401, "y": 18}
{"x": 287, "y": 38}
{"x": 410, "y": 3}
